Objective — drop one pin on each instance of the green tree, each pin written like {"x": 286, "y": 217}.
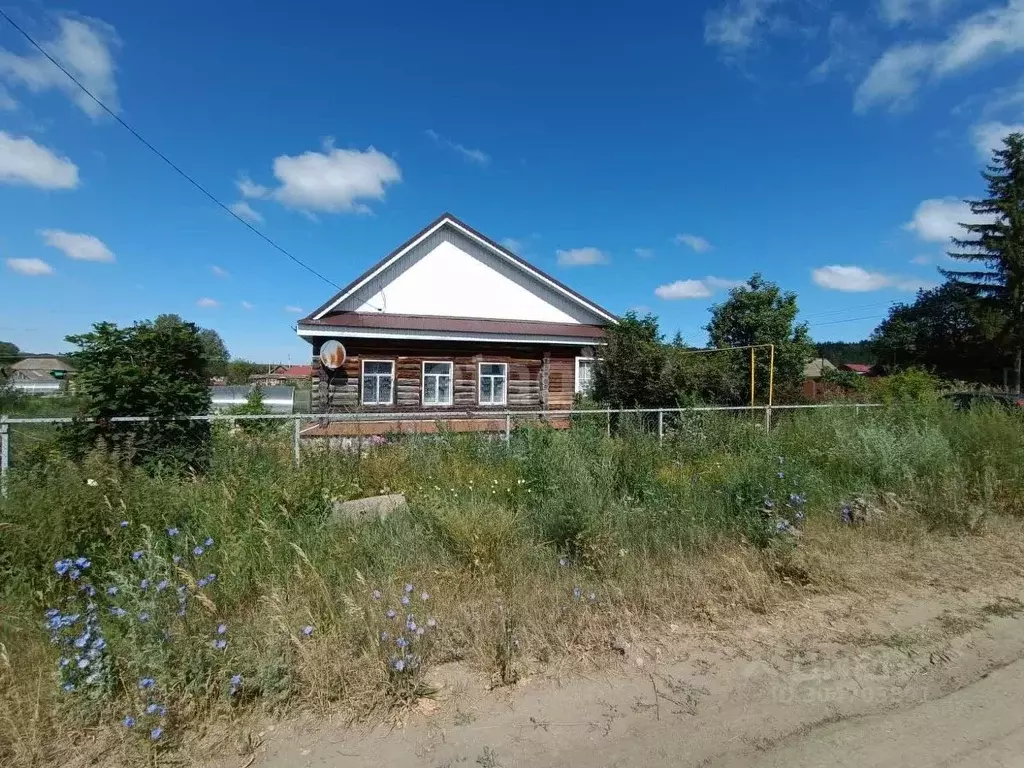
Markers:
{"x": 950, "y": 330}
{"x": 995, "y": 244}
{"x": 214, "y": 349}
{"x": 633, "y": 368}
{"x": 840, "y": 352}
{"x": 147, "y": 369}
{"x": 238, "y": 371}
{"x": 758, "y": 312}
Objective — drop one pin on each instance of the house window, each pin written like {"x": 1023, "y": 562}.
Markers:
{"x": 437, "y": 383}
{"x": 378, "y": 382}
{"x": 584, "y": 375}
{"x": 493, "y": 383}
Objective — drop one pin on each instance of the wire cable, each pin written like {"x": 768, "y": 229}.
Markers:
{"x": 162, "y": 156}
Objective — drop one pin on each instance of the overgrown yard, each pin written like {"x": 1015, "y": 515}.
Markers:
{"x": 135, "y": 610}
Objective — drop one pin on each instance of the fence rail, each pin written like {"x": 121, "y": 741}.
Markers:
{"x": 314, "y": 419}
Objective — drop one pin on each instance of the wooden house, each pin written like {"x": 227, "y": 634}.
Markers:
{"x": 452, "y": 322}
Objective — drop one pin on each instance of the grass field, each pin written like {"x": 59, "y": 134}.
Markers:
{"x": 136, "y": 610}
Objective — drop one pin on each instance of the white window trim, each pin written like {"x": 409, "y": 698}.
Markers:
{"x": 576, "y": 372}
{"x": 362, "y": 374}
{"x": 479, "y": 383}
{"x": 423, "y": 383}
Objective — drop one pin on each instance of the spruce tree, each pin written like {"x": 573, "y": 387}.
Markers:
{"x": 996, "y": 244}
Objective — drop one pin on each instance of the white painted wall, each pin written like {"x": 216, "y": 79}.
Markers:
{"x": 448, "y": 281}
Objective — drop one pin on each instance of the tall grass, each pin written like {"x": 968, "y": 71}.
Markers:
{"x": 508, "y": 557}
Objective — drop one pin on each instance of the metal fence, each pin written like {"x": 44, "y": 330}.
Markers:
{"x": 764, "y": 414}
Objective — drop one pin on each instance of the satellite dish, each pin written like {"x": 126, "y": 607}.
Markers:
{"x": 332, "y": 354}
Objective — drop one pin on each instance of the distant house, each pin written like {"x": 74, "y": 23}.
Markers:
{"x": 451, "y": 320}
{"x": 813, "y": 386}
{"x": 861, "y": 369}
{"x": 282, "y": 375}
{"x": 40, "y": 375}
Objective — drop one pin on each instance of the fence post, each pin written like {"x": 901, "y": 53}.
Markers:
{"x": 5, "y": 455}
{"x": 296, "y": 441}
{"x": 767, "y": 419}
{"x": 661, "y": 426}
{"x": 508, "y": 427}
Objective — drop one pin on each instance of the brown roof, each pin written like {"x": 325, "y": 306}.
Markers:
{"x": 518, "y": 260}
{"x": 457, "y": 324}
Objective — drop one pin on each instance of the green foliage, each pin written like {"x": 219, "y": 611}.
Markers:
{"x": 254, "y": 407}
{"x": 238, "y": 371}
{"x": 633, "y": 369}
{"x": 949, "y": 329}
{"x": 214, "y": 349}
{"x": 147, "y": 369}
{"x": 758, "y": 312}
{"x": 839, "y": 352}
{"x": 994, "y": 244}
{"x": 910, "y": 384}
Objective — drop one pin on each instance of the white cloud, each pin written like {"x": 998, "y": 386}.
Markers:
{"x": 644, "y": 253}
{"x": 511, "y": 244}
{"x": 852, "y": 279}
{"x": 989, "y": 136}
{"x": 683, "y": 289}
{"x": 904, "y": 68}
{"x": 293, "y": 309}
{"x": 22, "y": 161}
{"x": 85, "y": 47}
{"x": 737, "y": 25}
{"x": 695, "y": 289}
{"x": 30, "y": 267}
{"x": 243, "y": 210}
{"x": 581, "y": 257}
{"x": 334, "y": 180}
{"x": 936, "y": 221}
{"x": 697, "y": 243}
{"x": 477, "y": 156}
{"x": 247, "y": 305}
{"x": 249, "y": 188}
{"x": 219, "y": 271}
{"x": 77, "y": 245}
{"x": 895, "y": 12}
{"x": 208, "y": 303}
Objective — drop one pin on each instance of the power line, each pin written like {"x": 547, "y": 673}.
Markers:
{"x": 162, "y": 156}
{"x": 847, "y": 320}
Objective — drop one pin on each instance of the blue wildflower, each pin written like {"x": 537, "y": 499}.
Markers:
{"x": 222, "y": 628}
{"x": 208, "y": 542}
{"x": 137, "y": 555}
{"x": 144, "y": 617}
{"x": 797, "y": 499}
{"x": 156, "y": 733}
{"x": 846, "y": 514}
{"x": 390, "y": 613}
{"x": 74, "y": 573}
{"x": 197, "y": 551}
{"x": 408, "y": 588}
{"x": 307, "y": 630}
{"x": 175, "y": 559}
{"x": 63, "y": 662}
{"x": 384, "y": 637}
{"x": 376, "y": 594}
{"x": 782, "y": 526}
{"x": 236, "y": 683}
{"x": 89, "y": 589}
{"x": 410, "y": 625}
{"x": 156, "y": 709}
{"x": 83, "y": 663}
{"x": 128, "y": 722}
{"x": 51, "y": 612}
{"x": 404, "y": 600}
{"x": 144, "y": 585}
{"x": 424, "y": 596}
{"x": 401, "y": 642}
{"x": 780, "y": 475}
{"x": 768, "y": 503}
{"x": 398, "y": 665}
{"x": 146, "y": 683}
{"x": 62, "y": 567}
{"x": 112, "y": 591}
{"x": 124, "y": 523}
{"x": 562, "y": 562}
{"x": 162, "y": 585}
{"x": 68, "y": 687}
{"x": 82, "y": 641}
{"x": 117, "y": 611}
{"x": 99, "y": 643}
{"x": 172, "y": 532}
{"x": 220, "y": 645}
{"x": 82, "y": 562}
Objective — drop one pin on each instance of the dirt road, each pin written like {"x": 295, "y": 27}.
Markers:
{"x": 925, "y": 680}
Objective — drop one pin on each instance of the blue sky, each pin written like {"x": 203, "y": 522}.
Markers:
{"x": 648, "y": 154}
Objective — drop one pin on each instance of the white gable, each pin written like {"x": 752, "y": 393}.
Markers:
{"x": 447, "y": 274}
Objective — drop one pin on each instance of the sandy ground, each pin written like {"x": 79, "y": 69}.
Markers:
{"x": 918, "y": 680}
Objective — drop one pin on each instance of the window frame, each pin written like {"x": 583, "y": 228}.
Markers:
{"x": 362, "y": 378}
{"x": 480, "y": 382}
{"x": 423, "y": 383}
{"x": 576, "y": 373}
